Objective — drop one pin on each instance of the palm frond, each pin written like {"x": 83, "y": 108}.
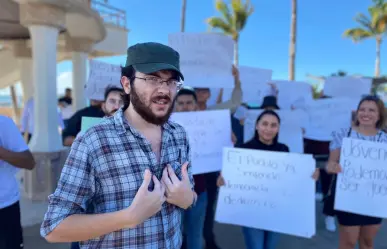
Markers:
{"x": 358, "y": 34}
{"x": 241, "y": 12}
{"x": 381, "y": 24}
{"x": 222, "y": 7}
{"x": 233, "y": 19}
{"x": 378, "y": 15}
{"x": 363, "y": 21}
{"x": 219, "y": 23}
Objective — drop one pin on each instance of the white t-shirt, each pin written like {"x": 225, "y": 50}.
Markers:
{"x": 27, "y": 118}
{"x": 10, "y": 139}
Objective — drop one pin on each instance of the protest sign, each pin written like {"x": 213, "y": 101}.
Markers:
{"x": 327, "y": 116}
{"x": 254, "y": 83}
{"x": 351, "y": 87}
{"x": 205, "y": 58}
{"x": 88, "y": 122}
{"x": 273, "y": 191}
{"x": 362, "y": 184}
{"x": 208, "y": 132}
{"x": 291, "y": 93}
{"x": 102, "y": 75}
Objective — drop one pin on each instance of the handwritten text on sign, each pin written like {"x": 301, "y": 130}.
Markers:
{"x": 362, "y": 185}
{"x": 272, "y": 191}
{"x": 101, "y": 76}
{"x": 205, "y": 58}
{"x": 208, "y": 132}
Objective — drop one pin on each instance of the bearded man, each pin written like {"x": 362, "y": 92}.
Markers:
{"x": 127, "y": 180}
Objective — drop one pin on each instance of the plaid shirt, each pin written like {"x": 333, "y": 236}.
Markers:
{"x": 103, "y": 173}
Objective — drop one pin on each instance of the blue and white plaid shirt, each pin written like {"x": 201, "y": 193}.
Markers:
{"x": 103, "y": 173}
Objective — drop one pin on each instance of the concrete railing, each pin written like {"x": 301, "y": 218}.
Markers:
{"x": 109, "y": 14}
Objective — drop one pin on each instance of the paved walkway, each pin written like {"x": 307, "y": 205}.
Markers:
{"x": 230, "y": 237}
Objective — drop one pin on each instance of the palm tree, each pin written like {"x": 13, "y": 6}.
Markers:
{"x": 232, "y": 21}
{"x": 371, "y": 27}
{"x": 183, "y": 10}
{"x": 292, "y": 46}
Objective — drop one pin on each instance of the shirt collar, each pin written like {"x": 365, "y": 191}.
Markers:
{"x": 122, "y": 125}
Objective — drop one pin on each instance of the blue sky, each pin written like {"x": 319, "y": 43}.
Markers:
{"x": 321, "y": 49}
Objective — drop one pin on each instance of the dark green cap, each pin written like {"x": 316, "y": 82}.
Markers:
{"x": 151, "y": 57}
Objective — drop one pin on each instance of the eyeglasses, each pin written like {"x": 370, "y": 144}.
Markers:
{"x": 115, "y": 101}
{"x": 155, "y": 81}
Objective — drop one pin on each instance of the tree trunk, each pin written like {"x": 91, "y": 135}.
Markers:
{"x": 236, "y": 52}
{"x": 292, "y": 46}
{"x": 377, "y": 61}
{"x": 183, "y": 10}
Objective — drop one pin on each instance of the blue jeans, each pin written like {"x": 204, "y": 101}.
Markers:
{"x": 194, "y": 223}
{"x": 260, "y": 239}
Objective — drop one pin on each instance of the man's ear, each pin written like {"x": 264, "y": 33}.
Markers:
{"x": 125, "y": 82}
{"x": 103, "y": 106}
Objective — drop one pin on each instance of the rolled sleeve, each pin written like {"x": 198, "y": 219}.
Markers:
{"x": 75, "y": 188}
{"x": 11, "y": 137}
{"x": 337, "y": 139}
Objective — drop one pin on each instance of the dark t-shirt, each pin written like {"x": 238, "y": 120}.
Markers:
{"x": 75, "y": 122}
{"x": 200, "y": 183}
{"x": 67, "y": 100}
{"x": 317, "y": 148}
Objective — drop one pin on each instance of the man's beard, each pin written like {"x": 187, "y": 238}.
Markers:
{"x": 111, "y": 113}
{"x": 145, "y": 111}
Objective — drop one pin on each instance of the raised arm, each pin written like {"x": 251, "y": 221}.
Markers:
{"x": 236, "y": 96}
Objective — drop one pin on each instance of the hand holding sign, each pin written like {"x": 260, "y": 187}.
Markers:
{"x": 178, "y": 192}
{"x": 316, "y": 174}
{"x": 220, "y": 181}
{"x": 333, "y": 167}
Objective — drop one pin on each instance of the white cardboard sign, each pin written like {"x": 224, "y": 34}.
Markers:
{"x": 362, "y": 185}
{"x": 273, "y": 191}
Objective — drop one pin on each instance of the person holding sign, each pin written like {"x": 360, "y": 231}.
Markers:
{"x": 126, "y": 181}
{"x": 186, "y": 101}
{"x": 370, "y": 119}
{"x": 203, "y": 94}
{"x": 265, "y": 138}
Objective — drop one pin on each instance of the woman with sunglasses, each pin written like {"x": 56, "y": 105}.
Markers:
{"x": 370, "y": 120}
{"x": 266, "y": 138}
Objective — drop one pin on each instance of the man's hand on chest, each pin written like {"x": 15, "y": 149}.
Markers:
{"x": 178, "y": 192}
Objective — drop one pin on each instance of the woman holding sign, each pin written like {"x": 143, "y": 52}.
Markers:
{"x": 266, "y": 138}
{"x": 370, "y": 119}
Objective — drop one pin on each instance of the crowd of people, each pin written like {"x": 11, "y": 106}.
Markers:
{"x": 128, "y": 183}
